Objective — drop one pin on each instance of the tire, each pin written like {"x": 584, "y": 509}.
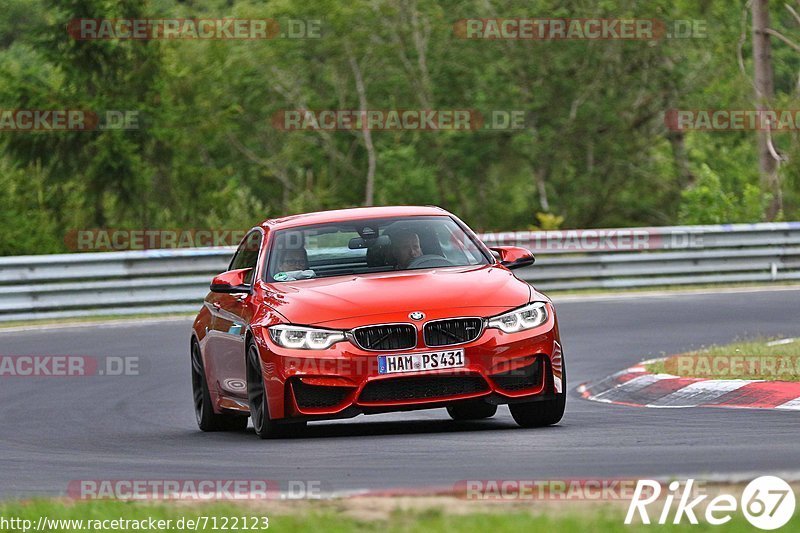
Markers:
{"x": 207, "y": 419}
{"x": 540, "y": 414}
{"x": 265, "y": 427}
{"x": 471, "y": 410}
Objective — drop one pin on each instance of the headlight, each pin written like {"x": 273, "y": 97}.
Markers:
{"x": 302, "y": 338}
{"x": 526, "y": 317}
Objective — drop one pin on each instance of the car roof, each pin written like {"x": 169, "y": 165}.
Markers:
{"x": 340, "y": 215}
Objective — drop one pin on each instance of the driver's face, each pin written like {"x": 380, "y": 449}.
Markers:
{"x": 407, "y": 249}
{"x": 292, "y": 260}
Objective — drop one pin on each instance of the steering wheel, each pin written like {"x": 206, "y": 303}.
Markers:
{"x": 429, "y": 261}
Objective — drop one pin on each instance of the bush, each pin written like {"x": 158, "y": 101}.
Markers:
{"x": 707, "y": 201}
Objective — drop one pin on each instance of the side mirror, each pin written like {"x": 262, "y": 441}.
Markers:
{"x": 231, "y": 282}
{"x": 513, "y": 257}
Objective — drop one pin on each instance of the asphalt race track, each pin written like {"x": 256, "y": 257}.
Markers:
{"x": 58, "y": 429}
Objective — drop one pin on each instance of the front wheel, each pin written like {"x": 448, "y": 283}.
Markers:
{"x": 265, "y": 427}
{"x": 207, "y": 419}
{"x": 540, "y": 414}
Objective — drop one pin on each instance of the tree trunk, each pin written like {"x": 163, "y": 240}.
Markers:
{"x": 369, "y": 192}
{"x": 765, "y": 92}
{"x": 677, "y": 141}
{"x": 541, "y": 187}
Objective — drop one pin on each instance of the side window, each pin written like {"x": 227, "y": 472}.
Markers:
{"x": 247, "y": 254}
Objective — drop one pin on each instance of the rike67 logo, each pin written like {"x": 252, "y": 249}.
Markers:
{"x": 767, "y": 502}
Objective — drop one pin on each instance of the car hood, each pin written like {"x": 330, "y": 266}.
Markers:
{"x": 350, "y": 301}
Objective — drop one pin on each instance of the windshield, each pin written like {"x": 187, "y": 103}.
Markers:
{"x": 370, "y": 245}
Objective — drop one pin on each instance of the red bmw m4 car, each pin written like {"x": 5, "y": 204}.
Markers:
{"x": 370, "y": 310}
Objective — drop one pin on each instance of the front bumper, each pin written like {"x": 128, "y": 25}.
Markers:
{"x": 344, "y": 381}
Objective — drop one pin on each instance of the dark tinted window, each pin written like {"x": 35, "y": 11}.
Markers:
{"x": 247, "y": 254}
{"x": 370, "y": 245}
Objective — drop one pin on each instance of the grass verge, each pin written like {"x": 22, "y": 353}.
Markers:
{"x": 765, "y": 359}
{"x": 333, "y": 516}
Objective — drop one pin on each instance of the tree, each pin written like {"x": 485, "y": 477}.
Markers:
{"x": 768, "y": 158}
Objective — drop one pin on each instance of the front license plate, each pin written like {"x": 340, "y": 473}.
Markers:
{"x": 419, "y": 362}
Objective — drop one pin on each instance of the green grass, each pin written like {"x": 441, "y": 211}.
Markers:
{"x": 327, "y": 516}
{"x": 754, "y": 359}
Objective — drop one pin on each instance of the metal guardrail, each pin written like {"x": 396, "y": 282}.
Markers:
{"x": 155, "y": 281}
{"x": 650, "y": 257}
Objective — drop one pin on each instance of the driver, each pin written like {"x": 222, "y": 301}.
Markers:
{"x": 405, "y": 248}
{"x": 293, "y": 259}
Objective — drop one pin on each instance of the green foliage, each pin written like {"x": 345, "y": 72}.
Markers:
{"x": 594, "y": 151}
{"x": 26, "y": 225}
{"x": 706, "y": 202}
{"x": 548, "y": 221}
{"x": 709, "y": 202}
{"x": 404, "y": 178}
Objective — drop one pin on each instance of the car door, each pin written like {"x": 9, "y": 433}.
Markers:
{"x": 231, "y": 315}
